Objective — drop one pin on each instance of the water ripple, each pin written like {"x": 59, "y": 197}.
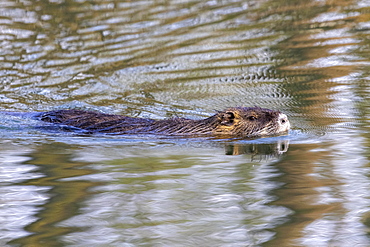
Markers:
{"x": 186, "y": 58}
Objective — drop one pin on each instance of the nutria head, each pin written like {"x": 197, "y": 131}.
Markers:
{"x": 251, "y": 121}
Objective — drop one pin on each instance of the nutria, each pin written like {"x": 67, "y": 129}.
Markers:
{"x": 236, "y": 121}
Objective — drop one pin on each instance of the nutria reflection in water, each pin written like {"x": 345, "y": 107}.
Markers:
{"x": 235, "y": 121}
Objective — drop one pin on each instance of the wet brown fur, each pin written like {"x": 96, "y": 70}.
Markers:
{"x": 237, "y": 121}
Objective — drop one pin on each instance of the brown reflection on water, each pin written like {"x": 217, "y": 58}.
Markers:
{"x": 300, "y": 192}
{"x": 318, "y": 51}
{"x": 55, "y": 161}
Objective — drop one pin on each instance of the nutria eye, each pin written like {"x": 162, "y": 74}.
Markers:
{"x": 252, "y": 118}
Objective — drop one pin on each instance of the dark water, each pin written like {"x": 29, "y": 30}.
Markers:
{"x": 158, "y": 59}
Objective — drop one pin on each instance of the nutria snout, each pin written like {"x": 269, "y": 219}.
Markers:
{"x": 235, "y": 121}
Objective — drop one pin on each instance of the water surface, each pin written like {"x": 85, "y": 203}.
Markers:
{"x": 163, "y": 59}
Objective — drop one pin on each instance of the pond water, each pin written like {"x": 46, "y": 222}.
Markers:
{"x": 161, "y": 59}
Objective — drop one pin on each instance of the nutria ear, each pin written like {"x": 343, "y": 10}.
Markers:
{"x": 227, "y": 118}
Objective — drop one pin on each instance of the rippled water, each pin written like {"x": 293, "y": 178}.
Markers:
{"x": 163, "y": 59}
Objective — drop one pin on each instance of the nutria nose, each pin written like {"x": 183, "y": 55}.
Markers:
{"x": 283, "y": 122}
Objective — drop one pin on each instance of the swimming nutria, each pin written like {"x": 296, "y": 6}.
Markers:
{"x": 235, "y": 121}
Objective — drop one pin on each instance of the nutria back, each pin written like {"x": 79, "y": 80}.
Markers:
{"x": 236, "y": 121}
